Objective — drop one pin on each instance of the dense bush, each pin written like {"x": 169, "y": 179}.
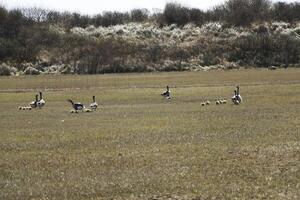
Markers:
{"x": 113, "y": 18}
{"x": 176, "y": 14}
{"x": 264, "y": 49}
{"x": 245, "y": 12}
{"x": 139, "y": 15}
{"x": 288, "y": 12}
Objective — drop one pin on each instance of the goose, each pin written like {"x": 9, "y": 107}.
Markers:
{"x": 24, "y": 108}
{"x": 233, "y": 98}
{"x": 237, "y": 102}
{"x": 41, "y": 102}
{"x": 167, "y": 93}
{"x": 224, "y": 101}
{"x": 218, "y": 102}
{"x": 203, "y": 103}
{"x": 238, "y": 96}
{"x": 94, "y": 104}
{"x": 73, "y": 111}
{"x": 88, "y": 110}
{"x": 33, "y": 104}
{"x": 236, "y": 99}
{"x": 207, "y": 102}
{"x": 77, "y": 106}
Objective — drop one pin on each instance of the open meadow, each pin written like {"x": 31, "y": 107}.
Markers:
{"x": 139, "y": 145}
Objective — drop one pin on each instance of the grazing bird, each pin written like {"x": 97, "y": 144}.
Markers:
{"x": 77, "y": 106}
{"x": 167, "y": 93}
{"x": 41, "y": 102}
{"x": 94, "y": 104}
{"x": 33, "y": 104}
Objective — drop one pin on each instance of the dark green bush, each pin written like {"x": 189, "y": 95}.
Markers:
{"x": 176, "y": 14}
{"x": 263, "y": 50}
{"x": 245, "y": 12}
{"x": 139, "y": 15}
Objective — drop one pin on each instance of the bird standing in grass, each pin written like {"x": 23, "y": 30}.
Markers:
{"x": 33, "y": 104}
{"x": 167, "y": 93}
{"x": 233, "y": 98}
{"x": 77, "y": 106}
{"x": 41, "y": 102}
{"x": 94, "y": 104}
{"x": 237, "y": 98}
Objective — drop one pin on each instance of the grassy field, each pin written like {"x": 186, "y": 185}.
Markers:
{"x": 138, "y": 145}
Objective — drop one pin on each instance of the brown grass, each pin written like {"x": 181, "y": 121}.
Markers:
{"x": 138, "y": 145}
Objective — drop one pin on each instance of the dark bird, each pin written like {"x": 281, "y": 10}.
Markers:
{"x": 167, "y": 93}
{"x": 77, "y": 106}
{"x": 41, "y": 102}
{"x": 33, "y": 104}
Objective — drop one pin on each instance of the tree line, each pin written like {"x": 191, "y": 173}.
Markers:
{"x": 233, "y": 12}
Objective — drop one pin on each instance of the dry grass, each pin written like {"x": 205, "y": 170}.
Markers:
{"x": 141, "y": 146}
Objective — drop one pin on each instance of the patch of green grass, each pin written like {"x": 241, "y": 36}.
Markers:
{"x": 138, "y": 145}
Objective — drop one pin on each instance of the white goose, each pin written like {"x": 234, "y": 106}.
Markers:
{"x": 94, "y": 104}
{"x": 41, "y": 102}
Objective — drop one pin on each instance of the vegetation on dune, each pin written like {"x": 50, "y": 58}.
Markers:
{"x": 236, "y": 34}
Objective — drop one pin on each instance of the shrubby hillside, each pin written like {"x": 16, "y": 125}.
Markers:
{"x": 252, "y": 33}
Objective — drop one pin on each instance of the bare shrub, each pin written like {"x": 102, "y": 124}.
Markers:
{"x": 139, "y": 15}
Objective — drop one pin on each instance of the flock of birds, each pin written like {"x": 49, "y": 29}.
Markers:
{"x": 236, "y": 98}
{"x": 39, "y": 102}
{"x": 77, "y": 106}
